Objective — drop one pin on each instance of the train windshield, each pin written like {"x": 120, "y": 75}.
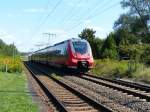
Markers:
{"x": 80, "y": 47}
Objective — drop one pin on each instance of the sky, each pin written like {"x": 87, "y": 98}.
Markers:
{"x": 26, "y": 22}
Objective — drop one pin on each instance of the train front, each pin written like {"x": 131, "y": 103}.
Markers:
{"x": 81, "y": 56}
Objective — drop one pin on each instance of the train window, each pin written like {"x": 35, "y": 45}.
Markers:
{"x": 63, "y": 49}
{"x": 80, "y": 47}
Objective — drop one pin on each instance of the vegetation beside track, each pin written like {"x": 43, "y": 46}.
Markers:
{"x": 142, "y": 74}
{"x": 121, "y": 69}
{"x": 130, "y": 40}
{"x": 110, "y": 68}
{"x": 13, "y": 65}
{"x": 14, "y": 95}
{"x": 9, "y": 58}
{"x": 56, "y": 76}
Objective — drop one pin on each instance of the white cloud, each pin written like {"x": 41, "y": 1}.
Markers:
{"x": 57, "y": 31}
{"x": 80, "y": 5}
{"x": 25, "y": 31}
{"x": 97, "y": 28}
{"x": 34, "y": 10}
{"x": 74, "y": 4}
{"x": 11, "y": 15}
{"x": 87, "y": 21}
{"x": 100, "y": 32}
{"x": 70, "y": 4}
{"x": 8, "y": 38}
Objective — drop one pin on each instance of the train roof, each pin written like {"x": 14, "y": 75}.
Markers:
{"x": 71, "y": 39}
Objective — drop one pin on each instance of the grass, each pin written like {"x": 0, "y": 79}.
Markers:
{"x": 14, "y": 94}
{"x": 110, "y": 68}
{"x": 122, "y": 69}
{"x": 142, "y": 74}
{"x": 56, "y": 76}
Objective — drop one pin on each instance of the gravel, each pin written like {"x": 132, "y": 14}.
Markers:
{"x": 101, "y": 99}
{"x": 118, "y": 97}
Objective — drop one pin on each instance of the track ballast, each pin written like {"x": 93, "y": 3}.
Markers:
{"x": 66, "y": 98}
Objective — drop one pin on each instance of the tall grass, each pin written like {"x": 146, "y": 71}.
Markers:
{"x": 11, "y": 64}
{"x": 142, "y": 74}
{"x": 114, "y": 68}
{"x": 110, "y": 68}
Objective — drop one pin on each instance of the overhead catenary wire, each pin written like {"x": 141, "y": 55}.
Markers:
{"x": 98, "y": 5}
{"x": 44, "y": 9}
{"x": 73, "y": 15}
{"x": 51, "y": 12}
{"x": 48, "y": 15}
{"x": 70, "y": 12}
{"x": 89, "y": 16}
{"x": 80, "y": 12}
{"x": 92, "y": 16}
{"x": 93, "y": 9}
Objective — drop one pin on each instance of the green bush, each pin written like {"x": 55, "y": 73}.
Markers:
{"x": 140, "y": 52}
{"x": 2, "y": 67}
{"x": 123, "y": 69}
{"x": 110, "y": 68}
{"x": 142, "y": 74}
{"x": 13, "y": 64}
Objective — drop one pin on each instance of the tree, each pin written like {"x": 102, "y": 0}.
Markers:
{"x": 135, "y": 23}
{"x": 96, "y": 47}
{"x": 96, "y": 43}
{"x": 7, "y": 50}
{"x": 124, "y": 22}
{"x": 87, "y": 34}
{"x": 124, "y": 37}
{"x": 141, "y": 9}
{"x": 109, "y": 49}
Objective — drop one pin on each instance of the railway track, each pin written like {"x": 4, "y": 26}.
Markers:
{"x": 88, "y": 91}
{"x": 115, "y": 99}
{"x": 129, "y": 88}
{"x": 119, "y": 97}
{"x": 135, "y": 85}
{"x": 66, "y": 98}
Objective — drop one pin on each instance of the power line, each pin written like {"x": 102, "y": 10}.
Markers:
{"x": 45, "y": 9}
{"x": 46, "y": 6}
{"x": 49, "y": 14}
{"x": 50, "y": 35}
{"x": 71, "y": 12}
{"x": 80, "y": 13}
{"x": 76, "y": 25}
{"x": 100, "y": 5}
{"x": 92, "y": 16}
{"x": 101, "y": 12}
{"x": 93, "y": 9}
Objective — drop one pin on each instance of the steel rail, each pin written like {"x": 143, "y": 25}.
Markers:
{"x": 89, "y": 100}
{"x": 49, "y": 94}
{"x": 124, "y": 83}
{"x": 134, "y": 84}
{"x": 119, "y": 89}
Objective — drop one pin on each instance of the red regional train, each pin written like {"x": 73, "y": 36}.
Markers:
{"x": 73, "y": 53}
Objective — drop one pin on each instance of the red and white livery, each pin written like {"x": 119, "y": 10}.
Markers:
{"x": 73, "y": 53}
